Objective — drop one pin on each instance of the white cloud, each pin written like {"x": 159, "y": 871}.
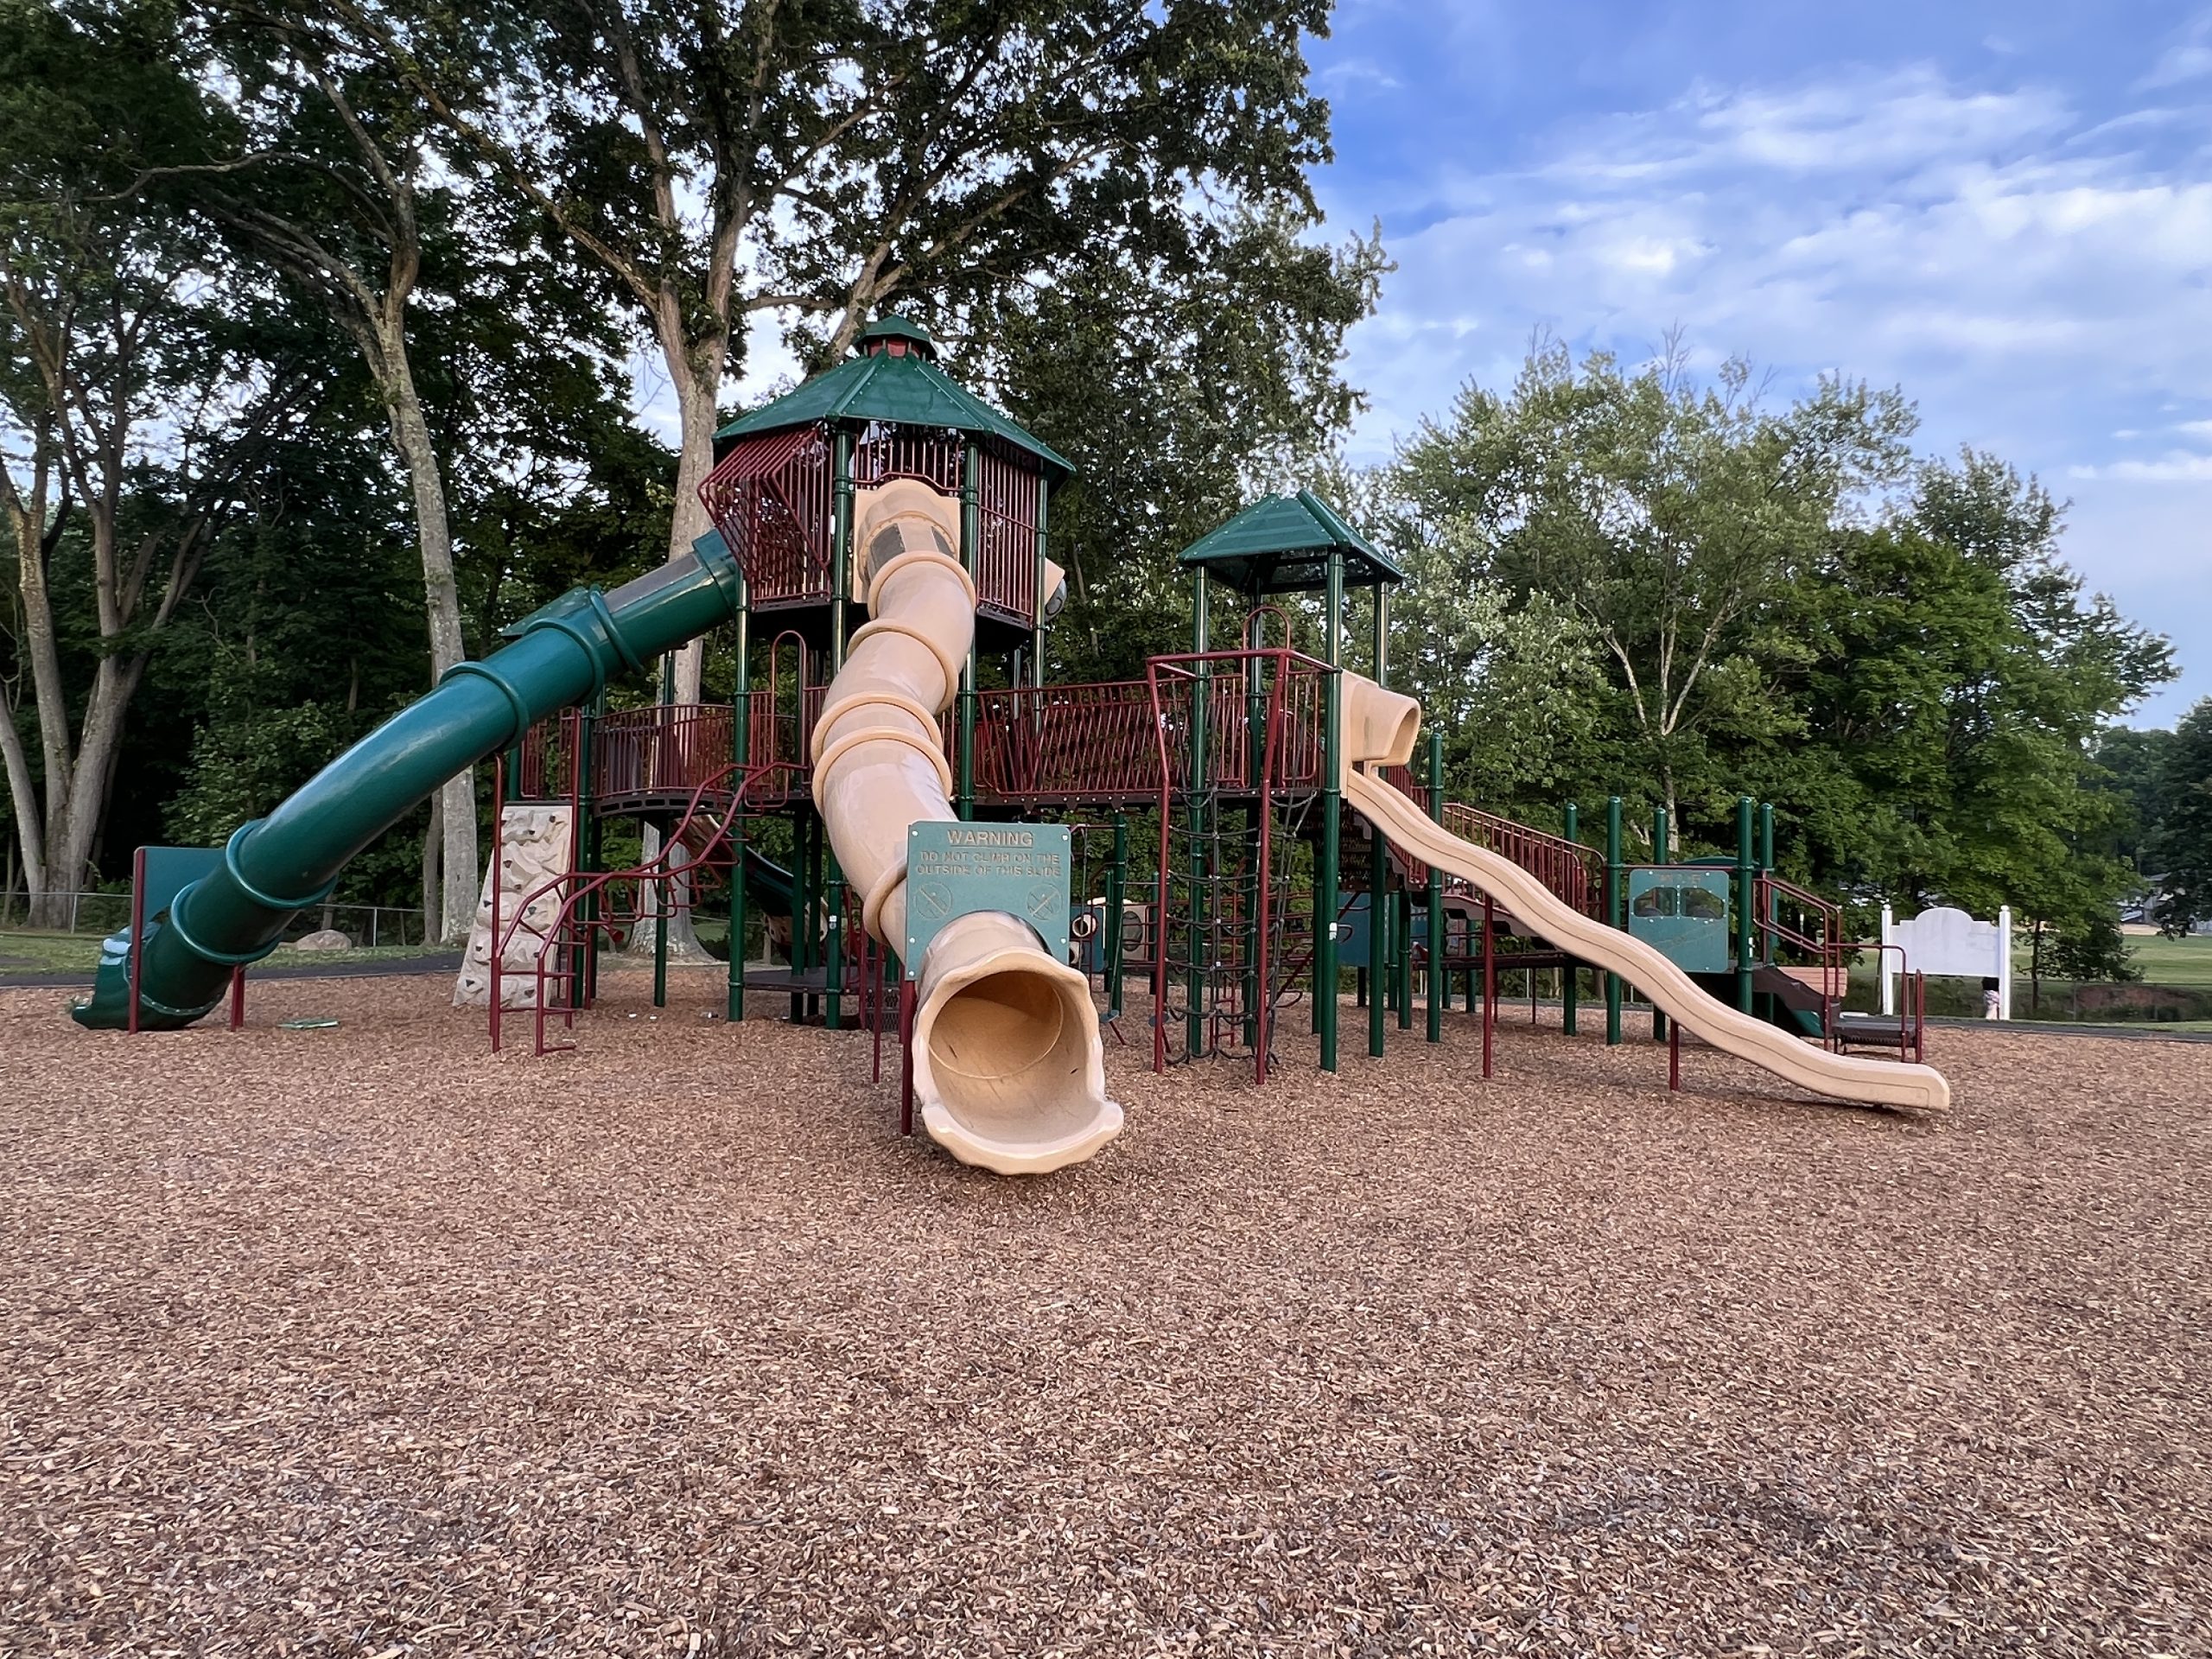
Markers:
{"x": 1361, "y": 73}
{"x": 2175, "y": 467}
{"x": 2032, "y": 292}
{"x": 2179, "y": 64}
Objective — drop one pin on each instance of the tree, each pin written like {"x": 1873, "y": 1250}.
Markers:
{"x": 1179, "y": 392}
{"x": 327, "y": 183}
{"x": 1670, "y": 517}
{"x": 2181, "y": 844}
{"x": 2137, "y": 763}
{"x": 819, "y": 161}
{"x": 138, "y": 382}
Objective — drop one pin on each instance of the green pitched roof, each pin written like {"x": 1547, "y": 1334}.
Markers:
{"x": 910, "y": 389}
{"x": 1280, "y": 545}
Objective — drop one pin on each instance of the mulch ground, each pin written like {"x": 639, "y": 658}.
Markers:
{"x": 367, "y": 1341}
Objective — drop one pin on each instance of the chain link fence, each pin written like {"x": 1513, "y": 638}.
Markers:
{"x": 369, "y": 926}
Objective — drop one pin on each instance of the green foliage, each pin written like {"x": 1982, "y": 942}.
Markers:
{"x": 2180, "y": 843}
{"x": 1672, "y": 518}
{"x": 1179, "y": 393}
{"x": 1736, "y": 598}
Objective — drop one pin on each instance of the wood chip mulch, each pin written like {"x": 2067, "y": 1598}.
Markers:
{"x": 366, "y": 1341}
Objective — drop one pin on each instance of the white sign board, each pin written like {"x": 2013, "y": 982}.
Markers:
{"x": 1950, "y": 944}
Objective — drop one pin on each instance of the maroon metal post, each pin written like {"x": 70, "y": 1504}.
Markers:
{"x": 238, "y": 996}
{"x": 1674, "y": 1054}
{"x": 1490, "y": 976}
{"x": 499, "y": 938}
{"x": 1265, "y": 1024}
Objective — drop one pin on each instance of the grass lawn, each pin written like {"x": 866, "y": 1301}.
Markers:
{"x": 25, "y": 953}
{"x": 2186, "y": 963}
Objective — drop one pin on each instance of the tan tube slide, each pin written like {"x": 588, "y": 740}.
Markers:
{"x": 1007, "y": 1065}
{"x": 1379, "y": 729}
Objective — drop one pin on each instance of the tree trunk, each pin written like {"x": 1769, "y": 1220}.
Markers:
{"x": 433, "y": 841}
{"x": 448, "y": 918}
{"x": 26, "y": 807}
{"x": 696, "y": 376}
{"x": 695, "y": 397}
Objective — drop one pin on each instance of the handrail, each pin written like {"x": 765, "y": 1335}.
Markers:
{"x": 580, "y": 886}
{"x": 1574, "y": 874}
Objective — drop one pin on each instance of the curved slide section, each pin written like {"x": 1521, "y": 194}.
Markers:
{"x": 1379, "y": 729}
{"x": 287, "y": 862}
{"x": 1008, "y": 1064}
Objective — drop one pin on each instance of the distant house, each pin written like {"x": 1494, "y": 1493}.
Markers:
{"x": 2144, "y": 911}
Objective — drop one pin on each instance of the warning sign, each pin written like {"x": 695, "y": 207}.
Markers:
{"x": 955, "y": 869}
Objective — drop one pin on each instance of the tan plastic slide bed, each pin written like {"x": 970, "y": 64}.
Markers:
{"x": 1379, "y": 729}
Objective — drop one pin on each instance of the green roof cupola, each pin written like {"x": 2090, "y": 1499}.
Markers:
{"x": 893, "y": 378}
{"x": 1282, "y": 544}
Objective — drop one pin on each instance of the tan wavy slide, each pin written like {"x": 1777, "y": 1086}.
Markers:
{"x": 1379, "y": 729}
{"x": 1008, "y": 1066}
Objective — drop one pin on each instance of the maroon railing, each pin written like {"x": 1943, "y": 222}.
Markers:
{"x": 770, "y": 497}
{"x": 1573, "y": 873}
{"x": 659, "y": 753}
{"x": 1067, "y": 743}
{"x": 1005, "y": 553}
{"x": 928, "y": 453}
{"x": 548, "y": 758}
{"x": 1248, "y": 695}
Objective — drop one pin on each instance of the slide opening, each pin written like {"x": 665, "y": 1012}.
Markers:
{"x": 1009, "y": 1047}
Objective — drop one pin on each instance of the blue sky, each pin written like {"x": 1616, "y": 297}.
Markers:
{"x": 2005, "y": 209}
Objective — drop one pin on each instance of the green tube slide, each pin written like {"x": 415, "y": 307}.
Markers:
{"x": 278, "y": 866}
{"x": 768, "y": 885}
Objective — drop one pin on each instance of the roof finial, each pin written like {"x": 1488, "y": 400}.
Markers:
{"x": 896, "y": 336}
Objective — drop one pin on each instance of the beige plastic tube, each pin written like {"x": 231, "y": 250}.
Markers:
{"x": 1007, "y": 1065}
{"x": 1379, "y": 729}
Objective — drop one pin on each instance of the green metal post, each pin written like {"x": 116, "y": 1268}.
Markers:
{"x": 1438, "y": 979}
{"x": 1117, "y": 884}
{"x": 1763, "y": 939}
{"x": 1037, "y": 624}
{"x": 586, "y": 843}
{"x": 1662, "y": 852}
{"x": 1746, "y": 885}
{"x": 1402, "y": 937}
{"x": 971, "y": 548}
{"x": 1766, "y": 867}
{"x": 1203, "y": 913}
{"x": 663, "y": 911}
{"x": 1379, "y": 911}
{"x": 1256, "y": 744}
{"x": 1614, "y": 917}
{"x": 1570, "y": 983}
{"x": 840, "y": 579}
{"x": 1326, "y": 875}
{"x": 741, "y": 752}
{"x": 802, "y": 907}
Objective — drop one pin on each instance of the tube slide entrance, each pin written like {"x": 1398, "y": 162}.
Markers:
{"x": 1380, "y": 728}
{"x": 1008, "y": 1063}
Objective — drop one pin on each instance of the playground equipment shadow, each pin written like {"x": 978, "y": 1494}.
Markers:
{"x": 671, "y": 1337}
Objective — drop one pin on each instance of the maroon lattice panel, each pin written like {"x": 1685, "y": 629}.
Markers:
{"x": 770, "y": 498}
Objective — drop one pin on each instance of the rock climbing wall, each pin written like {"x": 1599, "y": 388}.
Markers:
{"x": 535, "y": 846}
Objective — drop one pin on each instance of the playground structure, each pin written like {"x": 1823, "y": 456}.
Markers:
{"x": 882, "y": 489}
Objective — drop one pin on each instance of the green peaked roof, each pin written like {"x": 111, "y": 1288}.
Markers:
{"x": 910, "y": 389}
{"x": 1280, "y": 545}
